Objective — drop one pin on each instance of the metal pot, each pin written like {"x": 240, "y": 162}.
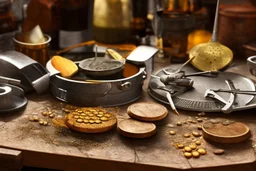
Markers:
{"x": 109, "y": 92}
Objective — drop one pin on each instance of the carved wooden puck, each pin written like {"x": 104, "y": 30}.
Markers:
{"x": 226, "y": 131}
{"x": 145, "y": 111}
{"x": 136, "y": 129}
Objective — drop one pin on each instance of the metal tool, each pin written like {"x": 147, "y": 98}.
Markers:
{"x": 212, "y": 94}
{"x": 227, "y": 104}
{"x": 169, "y": 97}
{"x": 228, "y": 107}
{"x": 237, "y": 91}
{"x": 211, "y": 56}
{"x": 155, "y": 85}
{"x": 185, "y": 82}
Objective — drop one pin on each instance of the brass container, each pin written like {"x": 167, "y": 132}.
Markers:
{"x": 36, "y": 51}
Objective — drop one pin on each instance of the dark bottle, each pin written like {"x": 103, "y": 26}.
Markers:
{"x": 7, "y": 20}
{"x": 74, "y": 23}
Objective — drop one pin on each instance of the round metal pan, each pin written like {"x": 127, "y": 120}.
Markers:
{"x": 194, "y": 99}
{"x": 100, "y": 67}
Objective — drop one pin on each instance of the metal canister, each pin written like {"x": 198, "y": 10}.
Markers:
{"x": 237, "y": 26}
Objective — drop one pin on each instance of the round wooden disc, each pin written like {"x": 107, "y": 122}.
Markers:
{"x": 87, "y": 121}
{"x": 232, "y": 132}
{"x": 145, "y": 111}
{"x": 136, "y": 129}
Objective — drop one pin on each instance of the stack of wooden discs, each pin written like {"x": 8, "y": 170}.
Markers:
{"x": 139, "y": 126}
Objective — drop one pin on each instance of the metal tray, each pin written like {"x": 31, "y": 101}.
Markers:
{"x": 194, "y": 99}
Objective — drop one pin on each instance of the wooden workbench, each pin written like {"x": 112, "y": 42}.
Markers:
{"x": 59, "y": 148}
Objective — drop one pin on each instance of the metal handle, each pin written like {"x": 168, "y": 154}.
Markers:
{"x": 125, "y": 86}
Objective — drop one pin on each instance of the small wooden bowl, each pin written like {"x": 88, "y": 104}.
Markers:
{"x": 222, "y": 133}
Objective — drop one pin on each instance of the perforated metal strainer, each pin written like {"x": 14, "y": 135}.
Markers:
{"x": 211, "y": 56}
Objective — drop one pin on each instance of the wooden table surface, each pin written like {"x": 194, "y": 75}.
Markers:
{"x": 59, "y": 148}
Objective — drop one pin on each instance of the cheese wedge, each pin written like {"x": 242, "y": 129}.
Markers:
{"x": 66, "y": 67}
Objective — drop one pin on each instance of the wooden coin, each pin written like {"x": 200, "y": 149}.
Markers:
{"x": 93, "y": 125}
{"x": 226, "y": 133}
{"x": 136, "y": 129}
{"x": 145, "y": 111}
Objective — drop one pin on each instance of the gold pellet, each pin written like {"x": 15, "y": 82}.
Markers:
{"x": 172, "y": 132}
{"x": 95, "y": 113}
{"x": 76, "y": 117}
{"x": 98, "y": 121}
{"x": 90, "y": 114}
{"x": 198, "y": 143}
{"x": 83, "y": 114}
{"x": 104, "y": 118}
{"x": 178, "y": 123}
{"x": 31, "y": 118}
{"x": 193, "y": 146}
{"x": 218, "y": 151}
{"x": 100, "y": 115}
{"x": 52, "y": 115}
{"x": 82, "y": 117}
{"x": 66, "y": 110}
{"x": 187, "y": 154}
{"x": 195, "y": 154}
{"x": 86, "y": 121}
{"x": 196, "y": 134}
{"x": 186, "y": 135}
{"x": 87, "y": 118}
{"x": 79, "y": 120}
{"x": 79, "y": 111}
{"x": 201, "y": 151}
{"x": 199, "y": 120}
{"x": 45, "y": 113}
{"x": 187, "y": 149}
{"x": 45, "y": 123}
{"x": 107, "y": 115}
{"x": 91, "y": 121}
{"x": 199, "y": 127}
{"x": 36, "y": 118}
{"x": 41, "y": 122}
{"x": 180, "y": 146}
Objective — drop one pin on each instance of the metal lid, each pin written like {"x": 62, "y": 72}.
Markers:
{"x": 11, "y": 98}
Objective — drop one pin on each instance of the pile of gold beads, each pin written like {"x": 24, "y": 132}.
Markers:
{"x": 191, "y": 148}
{"x": 50, "y": 113}
{"x": 90, "y": 116}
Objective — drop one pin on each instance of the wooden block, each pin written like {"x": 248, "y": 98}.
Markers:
{"x": 10, "y": 159}
{"x": 226, "y": 132}
{"x": 136, "y": 129}
{"x": 145, "y": 111}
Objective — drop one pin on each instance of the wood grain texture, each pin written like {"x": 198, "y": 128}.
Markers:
{"x": 136, "y": 129}
{"x": 146, "y": 111}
